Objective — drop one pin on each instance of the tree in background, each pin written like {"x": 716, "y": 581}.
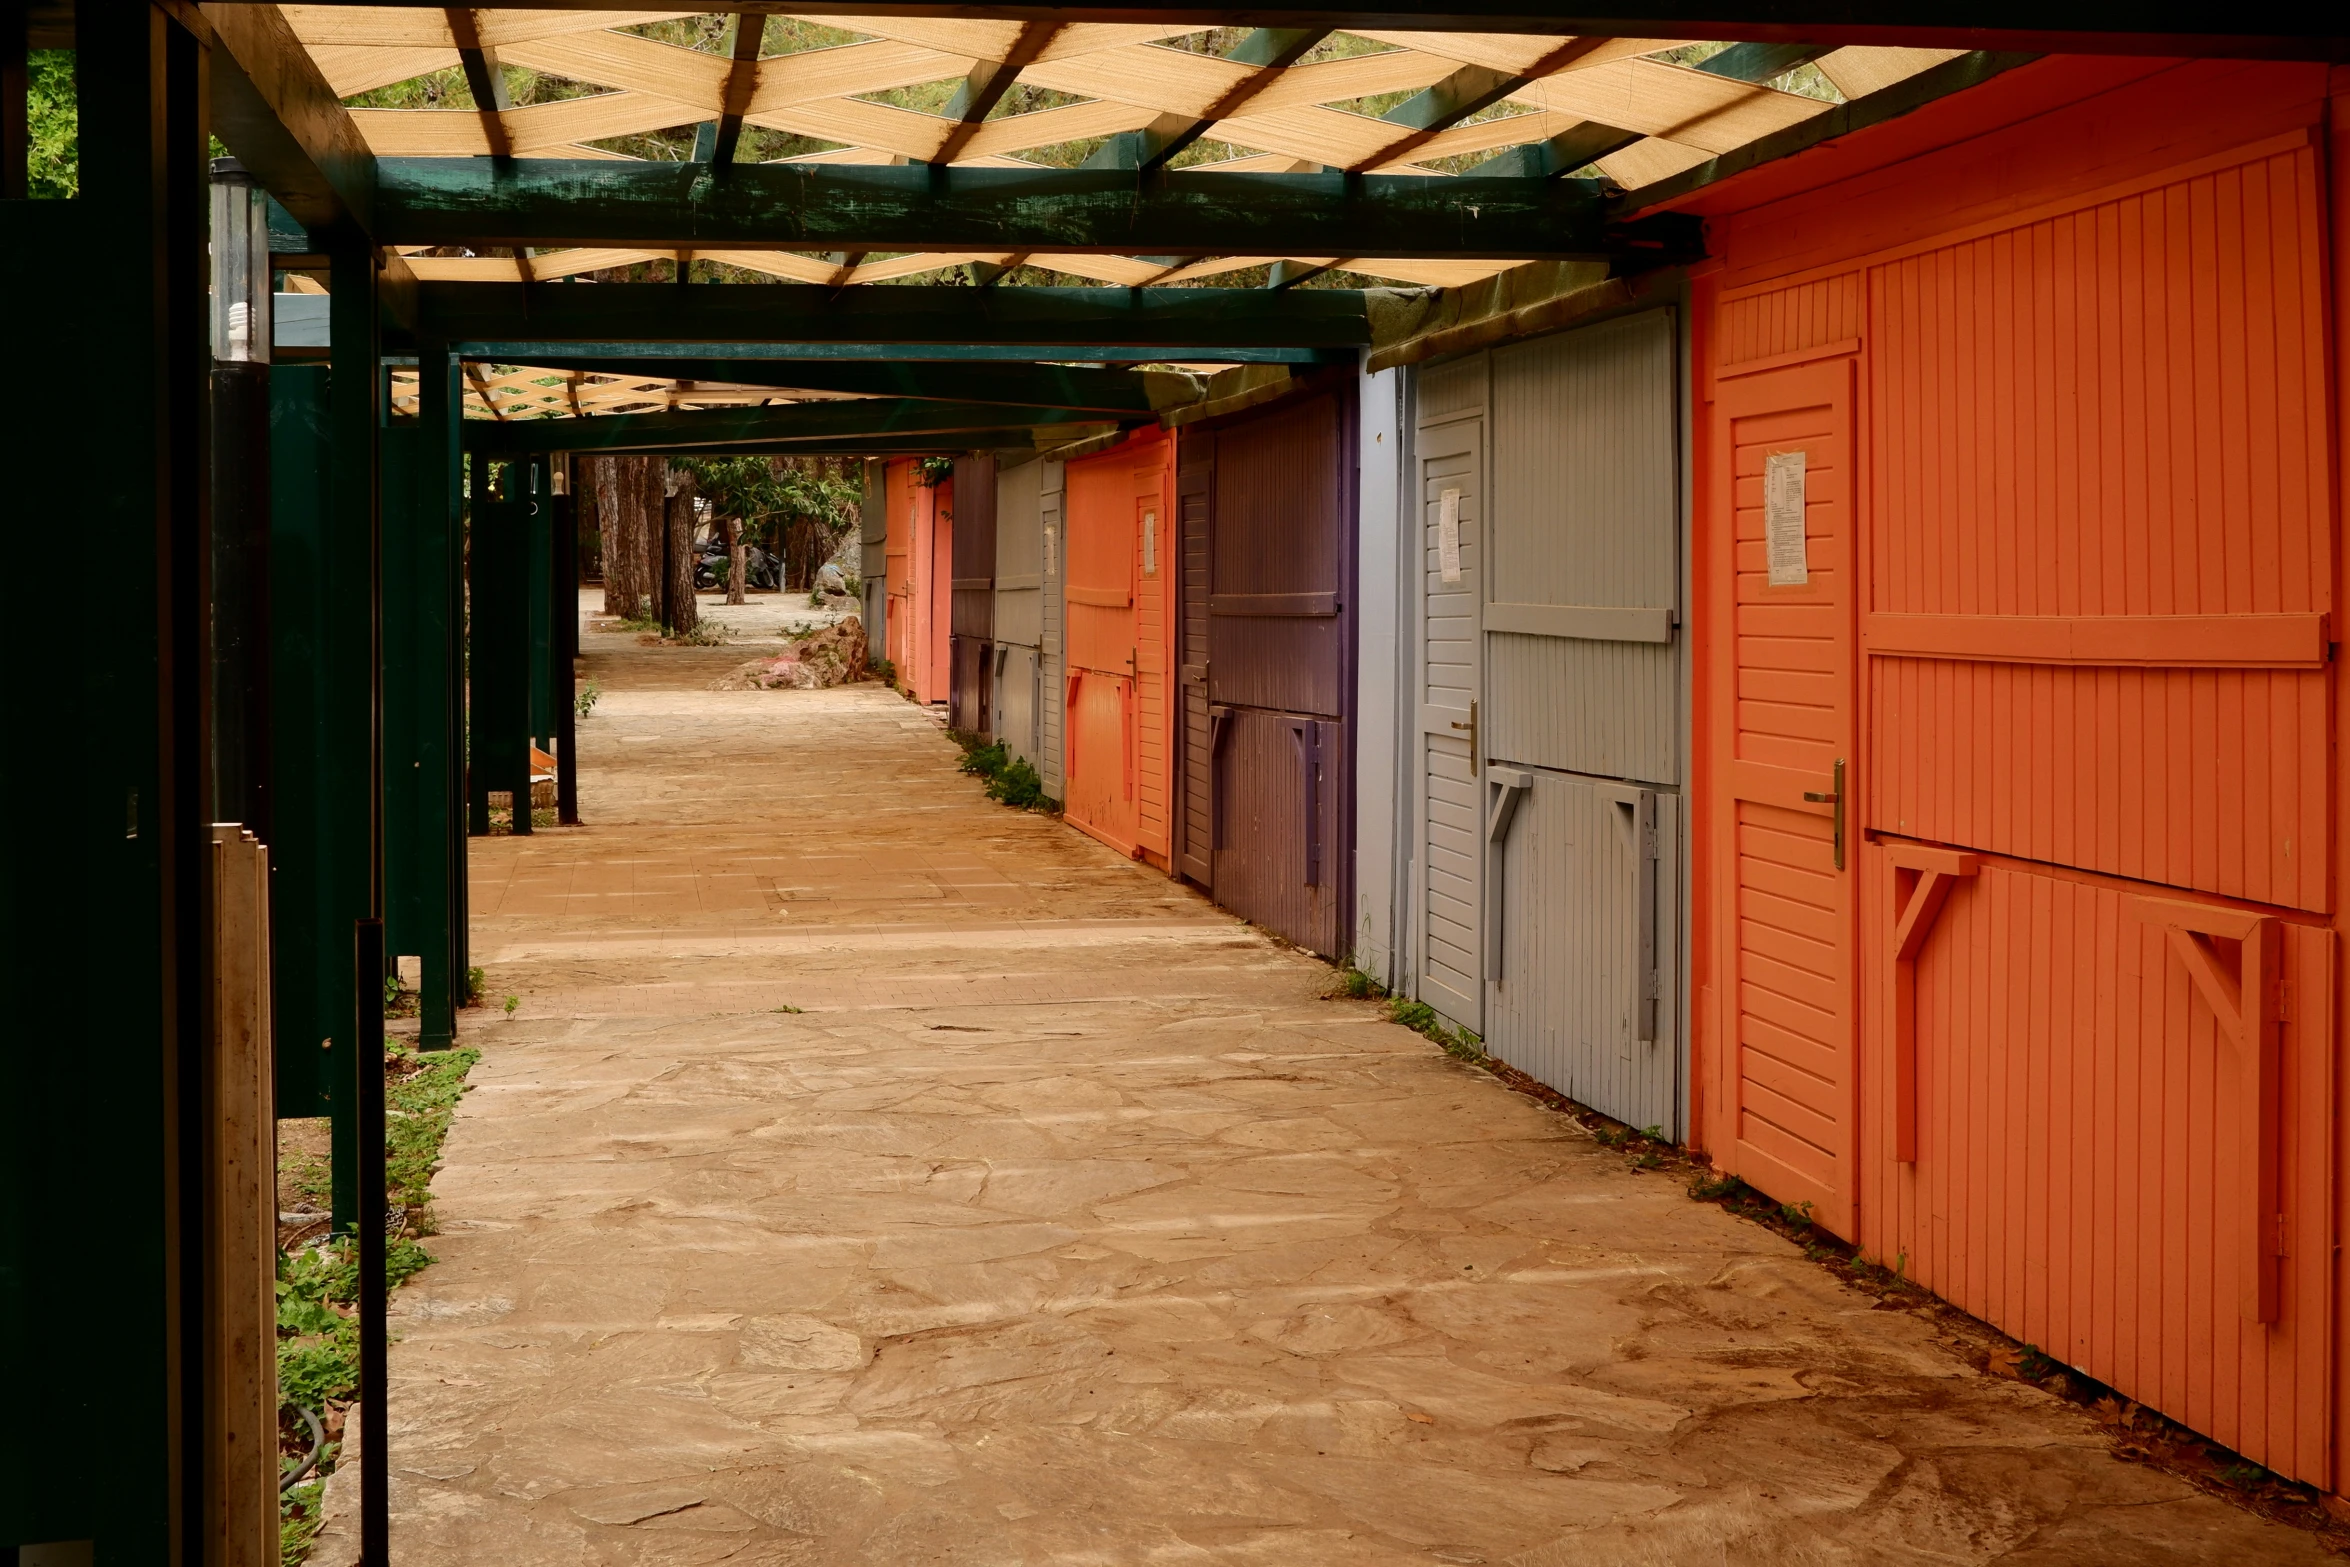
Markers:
{"x": 53, "y": 167}
{"x": 800, "y": 508}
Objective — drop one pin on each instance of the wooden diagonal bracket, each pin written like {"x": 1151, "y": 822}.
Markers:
{"x": 1922, "y": 879}
{"x": 2244, "y": 996}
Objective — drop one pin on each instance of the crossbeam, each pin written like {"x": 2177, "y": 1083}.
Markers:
{"x": 1163, "y": 319}
{"x": 2158, "y": 27}
{"x": 1004, "y": 386}
{"x": 484, "y": 202}
{"x": 525, "y": 351}
{"x": 726, "y": 427}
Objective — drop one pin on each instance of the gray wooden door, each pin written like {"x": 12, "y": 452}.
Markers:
{"x": 1019, "y": 609}
{"x": 1448, "y": 859}
{"x": 1052, "y": 670}
{"x": 1582, "y": 720}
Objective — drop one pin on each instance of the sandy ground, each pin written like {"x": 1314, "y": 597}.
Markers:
{"x": 871, "y": 1174}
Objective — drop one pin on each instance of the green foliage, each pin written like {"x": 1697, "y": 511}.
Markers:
{"x": 764, "y": 494}
{"x": 930, "y": 472}
{"x": 1010, "y": 779}
{"x": 1017, "y": 785}
{"x": 473, "y": 984}
{"x": 1355, "y": 985}
{"x": 586, "y": 701}
{"x": 511, "y": 1003}
{"x": 300, "y": 1512}
{"x": 422, "y": 1098}
{"x": 882, "y": 670}
{"x": 1421, "y": 1018}
{"x": 1709, "y": 1187}
{"x": 1797, "y": 1214}
{"x": 53, "y": 117}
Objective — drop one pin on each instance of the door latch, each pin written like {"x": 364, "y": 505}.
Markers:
{"x": 1471, "y": 727}
{"x": 1834, "y": 797}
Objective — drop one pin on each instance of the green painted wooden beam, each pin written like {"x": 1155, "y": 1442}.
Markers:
{"x": 2160, "y": 27}
{"x": 1164, "y": 319}
{"x": 526, "y": 351}
{"x": 1016, "y": 386}
{"x": 713, "y": 427}
{"x": 850, "y": 207}
{"x": 1017, "y": 438}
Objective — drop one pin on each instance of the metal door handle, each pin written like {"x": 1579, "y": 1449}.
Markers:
{"x": 1833, "y": 797}
{"x": 1471, "y": 727}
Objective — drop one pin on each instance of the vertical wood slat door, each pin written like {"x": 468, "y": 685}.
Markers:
{"x": 1151, "y": 514}
{"x": 938, "y": 618}
{"x": 1278, "y": 666}
{"x": 1018, "y": 623}
{"x": 897, "y": 488}
{"x": 1197, "y": 733}
{"x": 971, "y": 690}
{"x": 1583, "y": 679}
{"x": 2097, "y": 665}
{"x": 1052, "y": 637}
{"x": 1099, "y": 594}
{"x": 1449, "y": 868}
{"x": 1785, "y": 886}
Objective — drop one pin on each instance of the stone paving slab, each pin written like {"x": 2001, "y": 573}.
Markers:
{"x": 1080, "y": 1228}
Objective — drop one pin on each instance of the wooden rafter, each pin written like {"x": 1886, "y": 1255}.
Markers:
{"x": 986, "y": 85}
{"x": 1468, "y": 91}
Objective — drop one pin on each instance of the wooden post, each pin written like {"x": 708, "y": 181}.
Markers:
{"x": 240, "y": 1364}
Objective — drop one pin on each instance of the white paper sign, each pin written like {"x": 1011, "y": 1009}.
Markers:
{"x": 1150, "y": 543}
{"x": 1783, "y": 542}
{"x": 1448, "y": 535}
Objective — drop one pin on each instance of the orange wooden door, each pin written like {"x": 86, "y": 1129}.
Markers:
{"x": 938, "y": 609}
{"x": 898, "y": 634}
{"x": 1099, "y": 592}
{"x": 1786, "y": 885}
{"x": 1150, "y": 510}
{"x": 2100, "y": 565}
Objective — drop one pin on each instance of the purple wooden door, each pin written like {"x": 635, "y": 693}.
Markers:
{"x": 1278, "y": 676}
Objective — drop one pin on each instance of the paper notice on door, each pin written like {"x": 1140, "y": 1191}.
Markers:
{"x": 1784, "y": 550}
{"x": 1150, "y": 543}
{"x": 1448, "y": 535}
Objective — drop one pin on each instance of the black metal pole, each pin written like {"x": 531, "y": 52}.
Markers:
{"x": 375, "y": 1522}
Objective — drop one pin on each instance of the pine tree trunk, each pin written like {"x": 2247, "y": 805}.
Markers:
{"x": 738, "y": 562}
{"x": 642, "y": 487}
{"x": 610, "y": 523}
{"x": 679, "y": 613}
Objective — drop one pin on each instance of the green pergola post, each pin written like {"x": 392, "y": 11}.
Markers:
{"x": 421, "y": 784}
{"x": 506, "y": 529}
{"x": 104, "y": 919}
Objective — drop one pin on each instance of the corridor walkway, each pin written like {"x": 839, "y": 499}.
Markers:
{"x": 870, "y": 1174}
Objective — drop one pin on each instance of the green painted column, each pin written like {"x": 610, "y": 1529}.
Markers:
{"x": 508, "y": 520}
{"x": 104, "y": 921}
{"x": 421, "y": 777}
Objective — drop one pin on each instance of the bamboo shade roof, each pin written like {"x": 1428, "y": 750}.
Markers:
{"x": 1111, "y": 77}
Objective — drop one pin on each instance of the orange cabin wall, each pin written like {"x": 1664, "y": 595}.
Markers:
{"x": 2094, "y": 356}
